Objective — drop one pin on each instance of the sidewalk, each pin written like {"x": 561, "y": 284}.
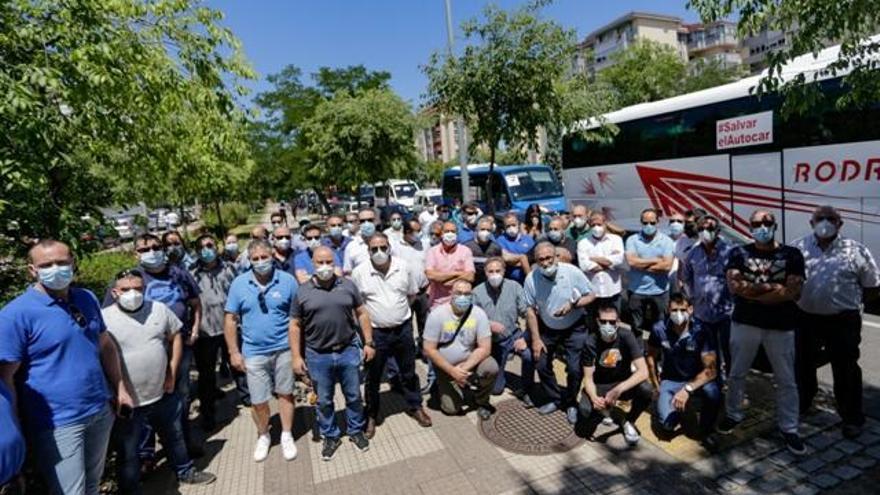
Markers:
{"x": 453, "y": 458}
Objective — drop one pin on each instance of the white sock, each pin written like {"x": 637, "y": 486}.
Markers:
{"x": 265, "y": 435}
{"x": 286, "y": 434}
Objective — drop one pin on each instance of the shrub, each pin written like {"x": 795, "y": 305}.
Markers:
{"x": 233, "y": 214}
{"x": 96, "y": 271}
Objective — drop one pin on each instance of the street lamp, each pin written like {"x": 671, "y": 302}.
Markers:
{"x": 459, "y": 121}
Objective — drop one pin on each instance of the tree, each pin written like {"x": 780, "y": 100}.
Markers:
{"x": 645, "y": 71}
{"x": 356, "y": 138}
{"x": 809, "y": 25}
{"x": 506, "y": 82}
{"x": 703, "y": 74}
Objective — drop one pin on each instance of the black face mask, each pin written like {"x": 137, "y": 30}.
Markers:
{"x": 690, "y": 229}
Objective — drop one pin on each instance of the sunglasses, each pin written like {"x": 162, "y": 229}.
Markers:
{"x": 830, "y": 219}
{"x": 607, "y": 322}
{"x": 675, "y": 220}
{"x": 649, "y": 222}
{"x": 313, "y": 238}
{"x": 376, "y": 249}
{"x": 766, "y": 223}
{"x": 282, "y": 237}
{"x": 366, "y": 219}
{"x": 78, "y": 316}
{"x": 707, "y": 229}
{"x": 147, "y": 249}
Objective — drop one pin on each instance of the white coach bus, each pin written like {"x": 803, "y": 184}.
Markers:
{"x": 729, "y": 152}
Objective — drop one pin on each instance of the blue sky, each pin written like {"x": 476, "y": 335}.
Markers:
{"x": 393, "y": 35}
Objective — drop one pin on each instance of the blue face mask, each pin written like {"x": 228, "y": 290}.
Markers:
{"x": 262, "y": 267}
{"x": 462, "y": 302}
{"x": 763, "y": 234}
{"x": 152, "y": 259}
{"x": 554, "y": 236}
{"x": 208, "y": 255}
{"x": 649, "y": 229}
{"x": 336, "y": 232}
{"x": 368, "y": 229}
{"x": 56, "y": 277}
{"x": 676, "y": 229}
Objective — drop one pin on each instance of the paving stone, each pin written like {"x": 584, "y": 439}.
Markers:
{"x": 862, "y": 462}
{"x": 820, "y": 441}
{"x": 742, "y": 477}
{"x": 847, "y": 472}
{"x": 728, "y": 485}
{"x": 773, "y": 482}
{"x": 874, "y": 452}
{"x": 812, "y": 464}
{"x": 831, "y": 455}
{"x": 783, "y": 458}
{"x": 760, "y": 468}
{"x": 825, "y": 481}
{"x": 804, "y": 489}
{"x": 868, "y": 439}
{"x": 796, "y": 474}
{"x": 848, "y": 446}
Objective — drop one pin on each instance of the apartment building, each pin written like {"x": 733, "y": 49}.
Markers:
{"x": 717, "y": 41}
{"x": 439, "y": 140}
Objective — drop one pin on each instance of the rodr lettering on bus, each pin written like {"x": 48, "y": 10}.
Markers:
{"x": 846, "y": 170}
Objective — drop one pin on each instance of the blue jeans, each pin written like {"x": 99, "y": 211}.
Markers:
{"x": 710, "y": 403}
{"x": 164, "y": 418}
{"x": 72, "y": 456}
{"x": 147, "y": 444}
{"x": 720, "y": 331}
{"x": 328, "y": 369}
{"x": 501, "y": 352}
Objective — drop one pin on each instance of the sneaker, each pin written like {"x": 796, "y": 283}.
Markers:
{"x": 630, "y": 433}
{"x": 485, "y": 412}
{"x": 360, "y": 441}
{"x": 571, "y": 414}
{"x": 426, "y": 389}
{"x": 261, "y": 451}
{"x": 608, "y": 421}
{"x": 794, "y": 443}
{"x": 288, "y": 446}
{"x": 330, "y": 447}
{"x": 196, "y": 477}
{"x": 548, "y": 408}
{"x": 727, "y": 426}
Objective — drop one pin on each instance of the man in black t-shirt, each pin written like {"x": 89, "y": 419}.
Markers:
{"x": 765, "y": 278}
{"x": 608, "y": 359}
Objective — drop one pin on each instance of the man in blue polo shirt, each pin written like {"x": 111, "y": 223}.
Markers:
{"x": 303, "y": 259}
{"x": 515, "y": 246}
{"x": 55, "y": 335}
{"x": 649, "y": 255}
{"x": 335, "y": 238}
{"x": 468, "y": 222}
{"x": 688, "y": 356}
{"x": 12, "y": 448}
{"x": 261, "y": 300}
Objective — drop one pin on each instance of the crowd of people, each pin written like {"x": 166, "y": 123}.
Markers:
{"x": 675, "y": 312}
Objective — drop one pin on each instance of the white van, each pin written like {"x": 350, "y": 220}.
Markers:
{"x": 395, "y": 192}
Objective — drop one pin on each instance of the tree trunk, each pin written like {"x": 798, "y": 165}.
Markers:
{"x": 220, "y": 225}
{"x": 490, "y": 200}
{"x": 323, "y": 200}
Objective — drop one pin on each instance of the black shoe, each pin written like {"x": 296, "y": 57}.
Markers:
{"x": 330, "y": 447}
{"x": 485, "y": 412}
{"x": 209, "y": 424}
{"x": 196, "y": 477}
{"x": 246, "y": 402}
{"x": 727, "y": 426}
{"x": 360, "y": 441}
{"x": 851, "y": 432}
{"x": 710, "y": 443}
{"x": 794, "y": 443}
{"x": 219, "y": 394}
{"x": 195, "y": 451}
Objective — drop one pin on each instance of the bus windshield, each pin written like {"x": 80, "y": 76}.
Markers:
{"x": 532, "y": 184}
{"x": 405, "y": 190}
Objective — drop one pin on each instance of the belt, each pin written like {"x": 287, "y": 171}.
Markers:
{"x": 333, "y": 348}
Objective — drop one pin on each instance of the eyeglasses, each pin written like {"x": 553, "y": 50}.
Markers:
{"x": 282, "y": 237}
{"x": 648, "y": 222}
{"x": 78, "y": 316}
{"x": 767, "y": 222}
{"x": 366, "y": 219}
{"x": 147, "y": 249}
{"x": 331, "y": 225}
{"x": 707, "y": 228}
{"x": 313, "y": 238}
{"x": 607, "y": 322}
{"x": 376, "y": 249}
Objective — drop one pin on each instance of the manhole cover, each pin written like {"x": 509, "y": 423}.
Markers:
{"x": 517, "y": 429}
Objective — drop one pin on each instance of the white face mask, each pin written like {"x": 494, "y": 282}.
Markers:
{"x": 579, "y": 222}
{"x": 313, "y": 243}
{"x": 679, "y": 316}
{"x": 495, "y": 279}
{"x": 484, "y": 235}
{"x": 282, "y": 244}
{"x": 380, "y": 257}
{"x": 512, "y": 231}
{"x": 707, "y": 236}
{"x": 549, "y": 271}
{"x": 608, "y": 332}
{"x": 450, "y": 238}
{"x": 131, "y": 300}
{"x": 324, "y": 272}
{"x": 598, "y": 231}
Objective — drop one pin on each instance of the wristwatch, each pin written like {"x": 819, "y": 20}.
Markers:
{"x": 369, "y": 343}
{"x": 689, "y": 388}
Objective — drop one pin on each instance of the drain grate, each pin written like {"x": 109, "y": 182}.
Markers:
{"x": 523, "y": 431}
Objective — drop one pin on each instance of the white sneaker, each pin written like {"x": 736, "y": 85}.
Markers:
{"x": 261, "y": 451}
{"x": 288, "y": 447}
{"x": 608, "y": 421}
{"x": 630, "y": 434}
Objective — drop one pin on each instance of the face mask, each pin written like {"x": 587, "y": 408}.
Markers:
{"x": 763, "y": 234}
{"x": 707, "y": 236}
{"x": 450, "y": 238}
{"x": 435, "y": 240}
{"x": 690, "y": 229}
{"x": 231, "y": 248}
{"x": 598, "y": 231}
{"x": 443, "y": 215}
{"x": 495, "y": 279}
{"x": 554, "y": 235}
{"x": 471, "y": 219}
{"x": 262, "y": 267}
{"x": 824, "y": 229}
{"x": 336, "y": 232}
{"x": 649, "y": 229}
{"x": 676, "y": 229}
{"x": 608, "y": 332}
{"x": 313, "y": 243}
{"x": 324, "y": 272}
{"x": 462, "y": 302}
{"x": 131, "y": 300}
{"x": 579, "y": 222}
{"x": 368, "y": 229}
{"x": 380, "y": 257}
{"x": 208, "y": 255}
{"x": 349, "y": 227}
{"x": 282, "y": 244}
{"x": 484, "y": 235}
{"x": 56, "y": 277}
{"x": 275, "y": 225}
{"x": 678, "y": 317}
{"x": 550, "y": 271}
{"x": 396, "y": 224}
{"x": 152, "y": 259}
{"x": 175, "y": 251}
{"x": 511, "y": 232}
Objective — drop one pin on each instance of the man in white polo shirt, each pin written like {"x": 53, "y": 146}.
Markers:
{"x": 601, "y": 257}
{"x": 387, "y": 285}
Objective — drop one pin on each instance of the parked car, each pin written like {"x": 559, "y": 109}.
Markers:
{"x": 124, "y": 227}
{"x": 426, "y": 197}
